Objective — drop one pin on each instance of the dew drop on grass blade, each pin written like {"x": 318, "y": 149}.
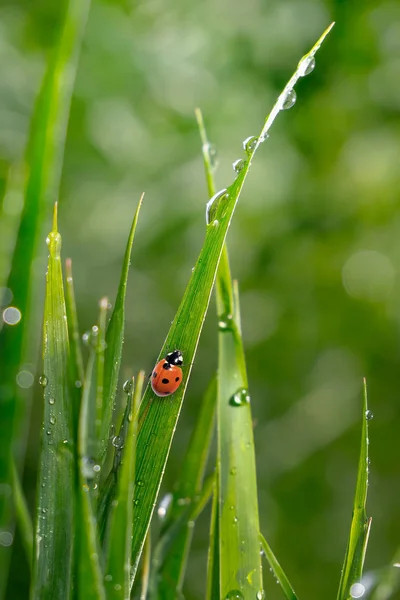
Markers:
{"x": 44, "y": 159}
{"x": 277, "y": 571}
{"x": 52, "y": 566}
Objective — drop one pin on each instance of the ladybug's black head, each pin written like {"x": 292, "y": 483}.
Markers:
{"x": 175, "y": 358}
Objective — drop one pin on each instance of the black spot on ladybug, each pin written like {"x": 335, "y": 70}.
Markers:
{"x": 176, "y": 378}
{"x": 165, "y": 380}
{"x": 166, "y": 365}
{"x": 154, "y": 374}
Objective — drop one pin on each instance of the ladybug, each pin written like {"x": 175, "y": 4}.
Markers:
{"x": 167, "y": 374}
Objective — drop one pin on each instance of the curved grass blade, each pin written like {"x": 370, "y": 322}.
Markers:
{"x": 118, "y": 549}
{"x": 360, "y": 525}
{"x": 75, "y": 362}
{"x": 24, "y": 520}
{"x": 52, "y": 564}
{"x": 277, "y": 570}
{"x": 44, "y": 160}
{"x": 158, "y": 417}
{"x": 172, "y": 570}
{"x": 114, "y": 343}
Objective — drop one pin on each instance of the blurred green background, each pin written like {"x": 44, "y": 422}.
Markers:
{"x": 315, "y": 242}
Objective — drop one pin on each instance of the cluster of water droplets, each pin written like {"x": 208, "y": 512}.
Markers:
{"x": 240, "y": 398}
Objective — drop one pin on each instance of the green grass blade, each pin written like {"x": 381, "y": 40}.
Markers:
{"x": 213, "y": 564}
{"x": 277, "y": 570}
{"x": 90, "y": 577}
{"x": 114, "y": 343}
{"x": 360, "y": 525}
{"x": 43, "y": 160}
{"x": 52, "y": 563}
{"x": 75, "y": 362}
{"x": 118, "y": 558}
{"x": 24, "y": 520}
{"x": 158, "y": 418}
{"x": 388, "y": 580}
{"x": 172, "y": 571}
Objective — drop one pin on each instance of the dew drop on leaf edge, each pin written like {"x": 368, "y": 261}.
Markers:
{"x": 234, "y": 595}
{"x": 290, "y": 99}
{"x": 238, "y": 165}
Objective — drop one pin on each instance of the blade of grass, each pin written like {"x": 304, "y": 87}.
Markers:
{"x": 89, "y": 574}
{"x": 172, "y": 570}
{"x": 388, "y": 580}
{"x": 75, "y": 363}
{"x": 114, "y": 343}
{"x": 52, "y": 564}
{"x": 24, "y": 520}
{"x": 277, "y": 570}
{"x": 158, "y": 417}
{"x": 43, "y": 160}
{"x": 360, "y": 525}
{"x": 238, "y": 527}
{"x": 213, "y": 563}
{"x": 118, "y": 549}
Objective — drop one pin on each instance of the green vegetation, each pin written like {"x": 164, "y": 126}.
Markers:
{"x": 105, "y": 449}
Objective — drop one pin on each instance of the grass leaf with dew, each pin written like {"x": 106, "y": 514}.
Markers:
{"x": 52, "y": 564}
{"x": 119, "y": 535}
{"x": 156, "y": 414}
{"x": 44, "y": 160}
{"x": 24, "y": 520}
{"x": 114, "y": 343}
{"x": 277, "y": 570}
{"x": 172, "y": 570}
{"x": 75, "y": 362}
{"x": 350, "y": 584}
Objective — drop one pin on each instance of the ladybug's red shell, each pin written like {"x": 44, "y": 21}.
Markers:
{"x": 167, "y": 376}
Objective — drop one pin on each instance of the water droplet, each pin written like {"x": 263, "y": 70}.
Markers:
{"x": 238, "y": 165}
{"x": 136, "y": 502}
{"x": 95, "y": 330}
{"x": 225, "y": 322}
{"x": 289, "y": 100}
{"x": 6, "y": 538}
{"x": 357, "y": 590}
{"x": 78, "y": 383}
{"x": 48, "y": 432}
{"x": 263, "y": 137}
{"x": 117, "y": 587}
{"x": 234, "y": 595}
{"x": 164, "y": 506}
{"x": 260, "y": 595}
{"x": 231, "y": 507}
{"x": 215, "y": 223}
{"x": 213, "y": 204}
{"x": 25, "y": 379}
{"x": 108, "y": 578}
{"x": 306, "y": 65}
{"x": 11, "y": 315}
{"x": 127, "y": 387}
{"x": 52, "y": 401}
{"x": 85, "y": 487}
{"x": 52, "y": 420}
{"x": 86, "y": 338}
{"x": 369, "y": 415}
{"x": 235, "y": 520}
{"x": 240, "y": 398}
{"x": 116, "y": 441}
{"x": 43, "y": 380}
{"x": 212, "y": 154}
{"x": 96, "y": 468}
{"x": 233, "y": 471}
{"x": 249, "y": 144}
